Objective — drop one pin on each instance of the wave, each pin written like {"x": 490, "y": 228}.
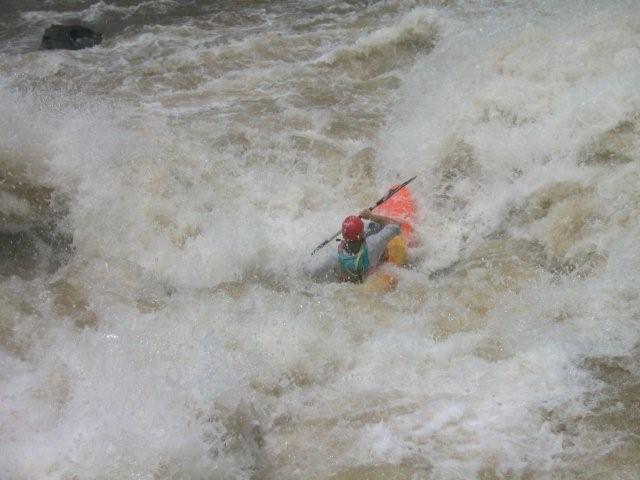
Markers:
{"x": 388, "y": 48}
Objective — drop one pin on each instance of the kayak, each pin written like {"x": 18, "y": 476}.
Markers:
{"x": 402, "y": 207}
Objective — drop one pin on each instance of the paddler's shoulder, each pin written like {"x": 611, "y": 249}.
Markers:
{"x": 376, "y": 229}
{"x": 391, "y": 228}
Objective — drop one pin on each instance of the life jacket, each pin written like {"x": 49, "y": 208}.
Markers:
{"x": 353, "y": 266}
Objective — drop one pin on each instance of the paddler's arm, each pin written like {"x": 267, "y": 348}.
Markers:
{"x": 377, "y": 242}
{"x": 381, "y": 219}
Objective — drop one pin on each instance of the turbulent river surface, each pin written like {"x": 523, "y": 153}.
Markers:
{"x": 160, "y": 192}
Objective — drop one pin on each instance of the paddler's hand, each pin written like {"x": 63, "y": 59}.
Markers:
{"x": 366, "y": 214}
{"x": 382, "y": 220}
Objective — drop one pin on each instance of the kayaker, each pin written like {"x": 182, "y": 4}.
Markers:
{"x": 359, "y": 252}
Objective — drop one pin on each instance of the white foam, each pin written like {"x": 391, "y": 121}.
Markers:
{"x": 192, "y": 205}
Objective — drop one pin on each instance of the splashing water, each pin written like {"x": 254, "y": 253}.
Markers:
{"x": 159, "y": 193}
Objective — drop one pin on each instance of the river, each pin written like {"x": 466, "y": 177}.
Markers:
{"x": 160, "y": 192}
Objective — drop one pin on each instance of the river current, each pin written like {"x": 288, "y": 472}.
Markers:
{"x": 160, "y": 192}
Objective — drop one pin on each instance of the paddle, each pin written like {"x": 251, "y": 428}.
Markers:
{"x": 389, "y": 194}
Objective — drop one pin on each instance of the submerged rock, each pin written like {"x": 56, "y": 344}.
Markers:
{"x": 33, "y": 234}
{"x": 70, "y": 37}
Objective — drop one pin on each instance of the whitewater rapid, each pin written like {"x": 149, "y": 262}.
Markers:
{"x": 159, "y": 194}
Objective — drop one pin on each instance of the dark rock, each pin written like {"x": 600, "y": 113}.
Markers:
{"x": 34, "y": 236}
{"x": 70, "y": 37}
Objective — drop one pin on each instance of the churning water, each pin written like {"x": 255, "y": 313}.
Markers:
{"x": 159, "y": 193}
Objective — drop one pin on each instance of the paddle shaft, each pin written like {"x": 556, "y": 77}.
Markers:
{"x": 389, "y": 194}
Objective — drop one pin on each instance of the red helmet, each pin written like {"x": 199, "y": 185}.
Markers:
{"x": 353, "y": 228}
